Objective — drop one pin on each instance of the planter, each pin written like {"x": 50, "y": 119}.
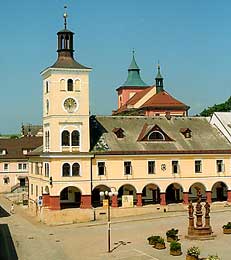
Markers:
{"x": 175, "y": 252}
{"x": 159, "y": 246}
{"x": 190, "y": 257}
{"x": 170, "y": 239}
{"x": 227, "y": 230}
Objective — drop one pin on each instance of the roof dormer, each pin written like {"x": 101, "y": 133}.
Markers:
{"x": 186, "y": 132}
{"x": 119, "y": 132}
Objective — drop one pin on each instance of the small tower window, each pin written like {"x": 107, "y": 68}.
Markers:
{"x": 70, "y": 85}
{"x": 75, "y": 138}
{"x": 65, "y": 138}
{"x": 47, "y": 86}
{"x": 47, "y": 106}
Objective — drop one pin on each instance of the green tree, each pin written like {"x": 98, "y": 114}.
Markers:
{"x": 222, "y": 107}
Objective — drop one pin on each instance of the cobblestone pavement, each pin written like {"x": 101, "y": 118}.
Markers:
{"x": 85, "y": 241}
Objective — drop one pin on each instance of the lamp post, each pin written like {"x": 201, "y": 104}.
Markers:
{"x": 108, "y": 195}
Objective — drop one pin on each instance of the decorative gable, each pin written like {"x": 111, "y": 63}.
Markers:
{"x": 119, "y": 132}
{"x": 153, "y": 133}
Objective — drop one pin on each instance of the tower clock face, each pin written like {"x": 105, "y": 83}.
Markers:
{"x": 70, "y": 105}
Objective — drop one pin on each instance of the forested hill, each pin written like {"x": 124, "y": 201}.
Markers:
{"x": 223, "y": 107}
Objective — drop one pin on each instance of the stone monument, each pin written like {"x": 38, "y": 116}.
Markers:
{"x": 199, "y": 231}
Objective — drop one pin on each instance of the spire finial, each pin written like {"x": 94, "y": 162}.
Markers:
{"x": 65, "y": 17}
{"x": 133, "y": 51}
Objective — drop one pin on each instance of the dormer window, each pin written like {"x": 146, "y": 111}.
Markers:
{"x": 156, "y": 135}
{"x": 3, "y": 152}
{"x": 153, "y": 133}
{"x": 186, "y": 132}
{"x": 119, "y": 132}
{"x": 24, "y": 151}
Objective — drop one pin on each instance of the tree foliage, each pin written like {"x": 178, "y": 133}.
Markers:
{"x": 223, "y": 107}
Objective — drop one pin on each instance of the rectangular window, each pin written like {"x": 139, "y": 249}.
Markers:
{"x": 127, "y": 168}
{"x": 220, "y": 166}
{"x": 101, "y": 168}
{"x": 36, "y": 168}
{"x": 22, "y": 166}
{"x": 198, "y": 166}
{"x": 36, "y": 190}
{"x": 151, "y": 167}
{"x": 6, "y": 180}
{"x": 47, "y": 170}
{"x": 175, "y": 167}
{"x": 6, "y": 167}
{"x": 31, "y": 189}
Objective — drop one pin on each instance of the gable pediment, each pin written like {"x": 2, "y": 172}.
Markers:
{"x": 151, "y": 133}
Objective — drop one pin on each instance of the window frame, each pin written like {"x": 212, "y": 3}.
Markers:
{"x": 177, "y": 165}
{"x": 222, "y": 165}
{"x": 101, "y": 167}
{"x": 153, "y": 167}
{"x": 128, "y": 166}
{"x": 200, "y": 165}
{"x": 8, "y": 167}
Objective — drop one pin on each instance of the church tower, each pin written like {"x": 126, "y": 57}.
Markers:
{"x": 66, "y": 100}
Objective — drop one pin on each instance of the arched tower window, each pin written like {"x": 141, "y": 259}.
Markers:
{"x": 75, "y": 169}
{"x": 70, "y": 85}
{"x": 47, "y": 140}
{"x": 65, "y": 138}
{"x": 66, "y": 169}
{"x": 47, "y": 106}
{"x": 75, "y": 138}
{"x": 156, "y": 135}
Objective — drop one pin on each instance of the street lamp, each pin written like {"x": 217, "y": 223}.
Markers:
{"x": 108, "y": 195}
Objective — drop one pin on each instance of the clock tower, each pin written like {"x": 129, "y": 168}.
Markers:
{"x": 66, "y": 100}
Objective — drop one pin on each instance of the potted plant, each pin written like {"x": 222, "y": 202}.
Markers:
{"x": 227, "y": 228}
{"x": 175, "y": 248}
{"x": 160, "y": 244}
{"x": 152, "y": 240}
{"x": 212, "y": 257}
{"x": 193, "y": 253}
{"x": 172, "y": 235}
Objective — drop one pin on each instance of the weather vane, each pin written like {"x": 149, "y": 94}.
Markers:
{"x": 65, "y": 17}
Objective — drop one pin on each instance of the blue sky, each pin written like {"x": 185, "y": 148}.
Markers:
{"x": 192, "y": 40}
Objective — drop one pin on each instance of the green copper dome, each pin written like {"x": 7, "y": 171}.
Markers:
{"x": 134, "y": 79}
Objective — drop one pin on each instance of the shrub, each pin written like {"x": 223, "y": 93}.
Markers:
{"x": 193, "y": 251}
{"x": 227, "y": 226}
{"x": 172, "y": 233}
{"x": 153, "y": 239}
{"x": 160, "y": 240}
{"x": 175, "y": 246}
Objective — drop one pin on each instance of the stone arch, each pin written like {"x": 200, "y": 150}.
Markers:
{"x": 70, "y": 197}
{"x": 151, "y": 194}
{"x": 126, "y": 189}
{"x": 193, "y": 189}
{"x": 219, "y": 191}
{"x": 97, "y": 201}
{"x": 174, "y": 193}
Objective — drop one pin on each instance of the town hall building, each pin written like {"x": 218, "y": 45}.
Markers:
{"x": 158, "y": 155}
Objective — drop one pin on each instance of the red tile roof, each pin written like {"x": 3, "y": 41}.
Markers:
{"x": 133, "y": 100}
{"x": 164, "y": 99}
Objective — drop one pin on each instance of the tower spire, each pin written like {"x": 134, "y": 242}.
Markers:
{"x": 65, "y": 17}
{"x": 133, "y": 78}
{"x": 159, "y": 80}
